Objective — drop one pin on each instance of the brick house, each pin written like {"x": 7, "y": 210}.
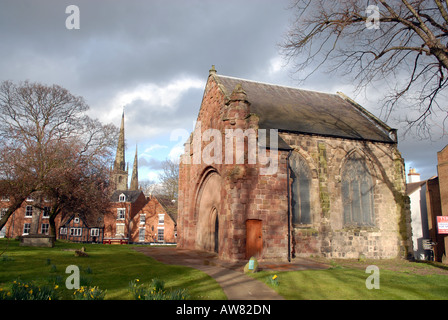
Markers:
{"x": 77, "y": 228}
{"x": 21, "y": 221}
{"x": 315, "y": 174}
{"x": 437, "y": 206}
{"x": 135, "y": 218}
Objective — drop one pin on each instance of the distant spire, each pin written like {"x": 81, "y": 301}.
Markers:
{"x": 120, "y": 163}
{"x": 134, "y": 179}
{"x": 120, "y": 172}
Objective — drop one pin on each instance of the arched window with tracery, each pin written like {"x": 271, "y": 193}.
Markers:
{"x": 357, "y": 193}
{"x": 300, "y": 190}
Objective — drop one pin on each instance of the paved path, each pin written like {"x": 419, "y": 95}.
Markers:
{"x": 235, "y": 284}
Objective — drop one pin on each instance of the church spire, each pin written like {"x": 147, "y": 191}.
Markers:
{"x": 134, "y": 179}
{"x": 120, "y": 173}
{"x": 119, "y": 156}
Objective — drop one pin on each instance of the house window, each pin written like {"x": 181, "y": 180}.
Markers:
{"x": 26, "y": 228}
{"x": 142, "y": 218}
{"x": 94, "y": 232}
{"x": 161, "y": 219}
{"x": 76, "y": 220}
{"x": 63, "y": 231}
{"x": 5, "y": 198}
{"x": 30, "y": 198}
{"x": 120, "y": 229}
{"x": 357, "y": 193}
{"x": 122, "y": 198}
{"x": 141, "y": 234}
{"x": 3, "y": 212}
{"x": 160, "y": 234}
{"x": 46, "y": 213}
{"x": 121, "y": 212}
{"x": 28, "y": 211}
{"x": 76, "y": 232}
{"x": 300, "y": 190}
{"x": 45, "y": 227}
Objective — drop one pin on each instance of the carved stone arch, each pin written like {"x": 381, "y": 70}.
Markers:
{"x": 309, "y": 161}
{"x": 357, "y": 189}
{"x": 207, "y": 210}
{"x": 360, "y": 154}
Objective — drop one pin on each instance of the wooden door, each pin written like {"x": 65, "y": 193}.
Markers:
{"x": 254, "y": 241}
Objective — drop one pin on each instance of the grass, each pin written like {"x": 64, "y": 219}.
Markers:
{"x": 108, "y": 267}
{"x": 112, "y": 268}
{"x": 346, "y": 280}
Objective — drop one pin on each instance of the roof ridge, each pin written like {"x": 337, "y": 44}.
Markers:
{"x": 276, "y": 85}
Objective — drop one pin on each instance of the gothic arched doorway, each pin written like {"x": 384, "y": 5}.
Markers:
{"x": 208, "y": 203}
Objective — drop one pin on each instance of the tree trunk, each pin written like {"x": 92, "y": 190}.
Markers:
{"x": 16, "y": 205}
{"x": 53, "y": 214}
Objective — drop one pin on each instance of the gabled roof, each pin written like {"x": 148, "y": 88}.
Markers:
{"x": 169, "y": 206}
{"x": 303, "y": 111}
{"x": 131, "y": 195}
{"x": 89, "y": 220}
{"x": 414, "y": 186}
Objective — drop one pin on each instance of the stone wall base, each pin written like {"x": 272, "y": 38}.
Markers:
{"x": 37, "y": 240}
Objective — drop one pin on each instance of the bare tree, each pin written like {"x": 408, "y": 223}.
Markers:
{"x": 401, "y": 43}
{"x": 169, "y": 179}
{"x": 48, "y": 145}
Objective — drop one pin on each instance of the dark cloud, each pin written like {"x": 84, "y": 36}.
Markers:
{"x": 122, "y": 45}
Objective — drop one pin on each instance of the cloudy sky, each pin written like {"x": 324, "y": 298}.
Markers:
{"x": 152, "y": 58}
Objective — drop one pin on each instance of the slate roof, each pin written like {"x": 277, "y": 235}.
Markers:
{"x": 131, "y": 195}
{"x": 304, "y": 111}
{"x": 414, "y": 186}
{"x": 91, "y": 221}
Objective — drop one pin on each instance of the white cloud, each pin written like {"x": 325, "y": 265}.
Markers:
{"x": 175, "y": 153}
{"x": 151, "y": 148}
{"x": 155, "y": 95}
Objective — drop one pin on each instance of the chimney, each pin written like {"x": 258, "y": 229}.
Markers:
{"x": 413, "y": 176}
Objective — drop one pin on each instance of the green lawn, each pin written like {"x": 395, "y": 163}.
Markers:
{"x": 398, "y": 280}
{"x": 109, "y": 267}
{"x": 113, "y": 267}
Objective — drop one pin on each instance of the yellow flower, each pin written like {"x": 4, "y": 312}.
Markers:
{"x": 137, "y": 280}
{"x": 274, "y": 277}
{"x": 56, "y": 286}
{"x": 31, "y": 291}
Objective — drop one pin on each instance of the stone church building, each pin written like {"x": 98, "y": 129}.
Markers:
{"x": 278, "y": 172}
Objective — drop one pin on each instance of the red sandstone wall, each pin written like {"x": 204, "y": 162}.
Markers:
{"x": 245, "y": 194}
